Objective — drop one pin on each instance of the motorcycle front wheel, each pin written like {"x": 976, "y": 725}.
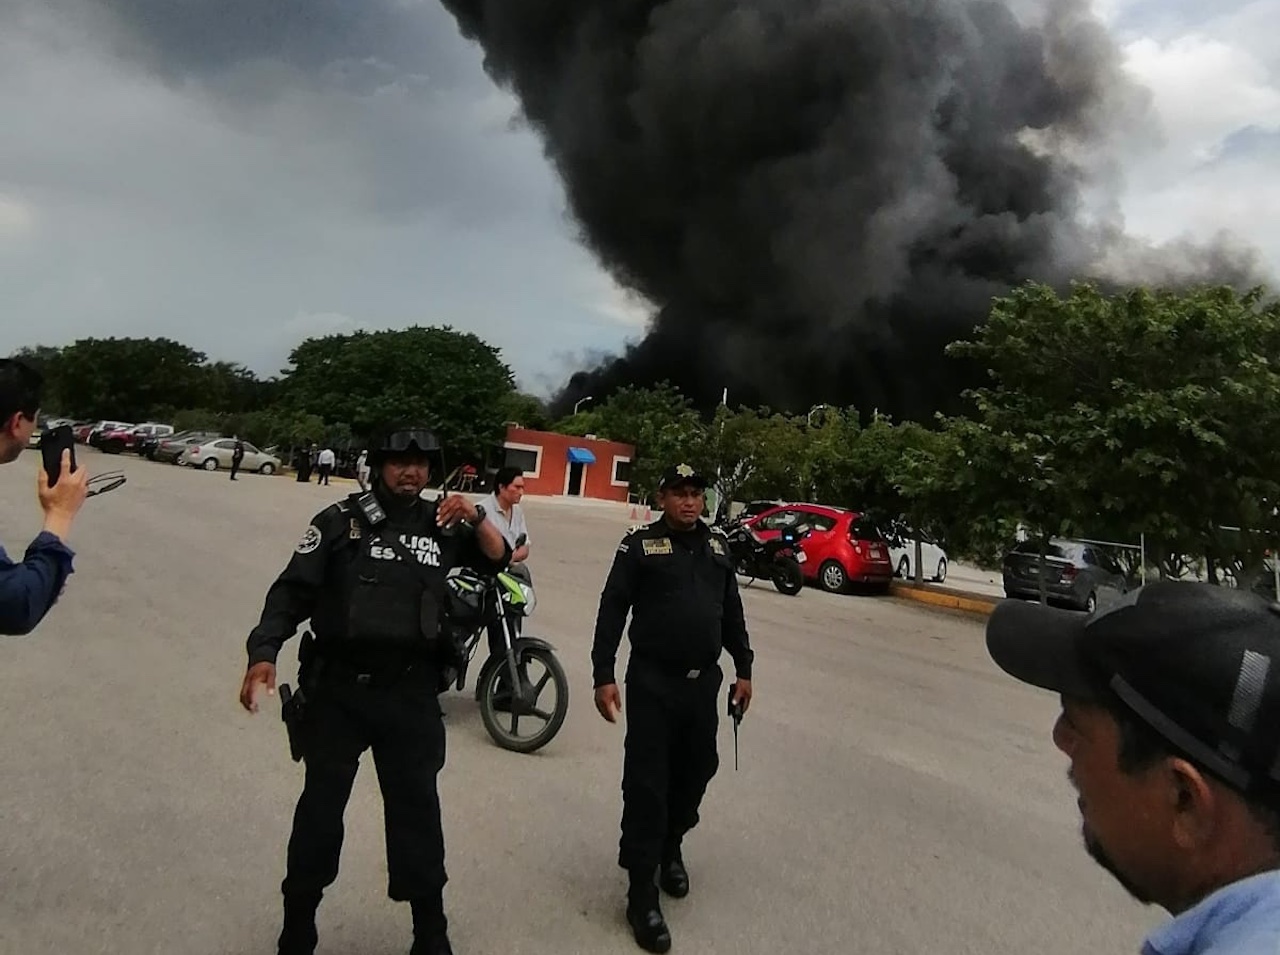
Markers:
{"x": 787, "y": 575}
{"x": 503, "y": 712}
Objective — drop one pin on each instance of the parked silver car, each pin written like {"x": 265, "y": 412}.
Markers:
{"x": 216, "y": 453}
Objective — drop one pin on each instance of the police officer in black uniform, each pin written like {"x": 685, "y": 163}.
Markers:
{"x": 369, "y": 572}
{"x": 676, "y": 577}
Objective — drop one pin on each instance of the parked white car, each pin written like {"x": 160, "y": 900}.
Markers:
{"x": 902, "y": 552}
{"x": 216, "y": 453}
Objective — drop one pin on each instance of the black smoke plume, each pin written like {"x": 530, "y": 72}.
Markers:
{"x": 818, "y": 195}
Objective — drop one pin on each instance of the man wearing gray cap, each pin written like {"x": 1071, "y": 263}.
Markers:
{"x": 1171, "y": 721}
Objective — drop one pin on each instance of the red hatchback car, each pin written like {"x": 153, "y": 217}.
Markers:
{"x": 843, "y": 547}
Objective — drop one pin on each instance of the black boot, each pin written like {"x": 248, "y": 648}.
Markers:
{"x": 430, "y": 927}
{"x": 672, "y": 875}
{"x": 644, "y": 915}
{"x": 299, "y": 936}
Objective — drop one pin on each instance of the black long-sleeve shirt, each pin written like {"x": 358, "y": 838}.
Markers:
{"x": 683, "y": 597}
{"x": 28, "y": 590}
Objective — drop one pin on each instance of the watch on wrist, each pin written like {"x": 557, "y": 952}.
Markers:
{"x": 480, "y": 512}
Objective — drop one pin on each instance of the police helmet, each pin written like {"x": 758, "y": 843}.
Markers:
{"x": 401, "y": 439}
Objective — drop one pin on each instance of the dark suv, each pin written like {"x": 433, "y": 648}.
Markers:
{"x": 1075, "y": 571}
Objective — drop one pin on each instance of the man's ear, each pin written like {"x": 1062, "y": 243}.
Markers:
{"x": 1194, "y": 804}
{"x": 9, "y": 425}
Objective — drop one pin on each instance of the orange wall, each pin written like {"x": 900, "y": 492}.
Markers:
{"x": 552, "y": 472}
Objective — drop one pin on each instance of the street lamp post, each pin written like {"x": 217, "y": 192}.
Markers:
{"x": 578, "y": 404}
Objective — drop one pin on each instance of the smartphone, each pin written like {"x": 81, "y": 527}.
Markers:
{"x": 52, "y": 443}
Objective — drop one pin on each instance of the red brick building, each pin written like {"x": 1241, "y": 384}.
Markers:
{"x": 561, "y": 464}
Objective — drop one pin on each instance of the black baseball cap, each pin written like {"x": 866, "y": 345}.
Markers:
{"x": 1199, "y": 664}
{"x": 681, "y": 474}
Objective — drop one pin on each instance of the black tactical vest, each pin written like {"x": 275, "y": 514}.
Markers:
{"x": 388, "y": 599}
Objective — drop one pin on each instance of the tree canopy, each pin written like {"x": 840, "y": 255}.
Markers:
{"x": 1144, "y": 413}
{"x": 452, "y": 380}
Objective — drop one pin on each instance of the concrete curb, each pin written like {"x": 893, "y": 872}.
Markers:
{"x": 946, "y": 599}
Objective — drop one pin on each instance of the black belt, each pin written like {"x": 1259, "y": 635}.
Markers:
{"x": 336, "y": 669}
{"x": 673, "y": 669}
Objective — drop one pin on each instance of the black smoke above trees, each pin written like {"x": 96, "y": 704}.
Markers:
{"x": 818, "y": 195}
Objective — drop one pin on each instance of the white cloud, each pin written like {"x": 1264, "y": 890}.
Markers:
{"x": 619, "y": 306}
{"x": 1204, "y": 90}
{"x": 16, "y": 217}
{"x": 1212, "y": 72}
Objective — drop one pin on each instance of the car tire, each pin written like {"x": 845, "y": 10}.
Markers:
{"x": 210, "y": 464}
{"x": 267, "y": 468}
{"x": 832, "y": 577}
{"x": 904, "y": 568}
{"x": 1091, "y": 602}
{"x": 941, "y": 575}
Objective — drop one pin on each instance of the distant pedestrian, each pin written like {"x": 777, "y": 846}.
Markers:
{"x": 326, "y": 459}
{"x": 237, "y": 456}
{"x": 362, "y": 470}
{"x": 1171, "y": 721}
{"x": 302, "y": 464}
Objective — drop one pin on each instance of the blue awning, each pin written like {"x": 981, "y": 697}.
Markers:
{"x": 581, "y": 456}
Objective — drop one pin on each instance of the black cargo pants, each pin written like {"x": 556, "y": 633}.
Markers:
{"x": 668, "y": 759}
{"x": 400, "y": 720}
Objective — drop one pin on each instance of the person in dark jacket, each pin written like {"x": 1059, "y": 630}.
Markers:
{"x": 30, "y": 588}
{"x": 370, "y": 572}
{"x": 237, "y": 457}
{"x": 676, "y": 578}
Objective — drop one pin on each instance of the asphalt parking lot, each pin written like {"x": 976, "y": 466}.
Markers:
{"x": 896, "y": 793}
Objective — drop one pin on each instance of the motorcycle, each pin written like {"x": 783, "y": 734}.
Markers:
{"x": 477, "y": 600}
{"x": 777, "y": 560}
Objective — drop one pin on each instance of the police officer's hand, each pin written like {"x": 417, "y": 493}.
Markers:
{"x": 609, "y": 701}
{"x": 260, "y": 674}
{"x": 453, "y": 509}
{"x": 742, "y": 694}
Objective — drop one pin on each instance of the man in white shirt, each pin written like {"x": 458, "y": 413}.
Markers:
{"x": 326, "y": 461}
{"x": 502, "y": 507}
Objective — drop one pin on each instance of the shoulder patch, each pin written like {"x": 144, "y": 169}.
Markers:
{"x": 656, "y": 545}
{"x": 717, "y": 545}
{"x": 311, "y": 538}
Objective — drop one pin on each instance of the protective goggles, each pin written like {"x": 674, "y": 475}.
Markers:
{"x": 400, "y": 441}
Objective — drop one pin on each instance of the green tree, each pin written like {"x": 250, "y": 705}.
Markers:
{"x": 660, "y": 422}
{"x": 756, "y": 453}
{"x": 827, "y": 470}
{"x": 450, "y": 379}
{"x": 131, "y": 379}
{"x": 1146, "y": 412}
{"x": 234, "y": 389}
{"x": 525, "y": 410}
{"x": 46, "y": 360}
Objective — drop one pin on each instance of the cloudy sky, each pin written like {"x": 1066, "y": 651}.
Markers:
{"x": 240, "y": 181}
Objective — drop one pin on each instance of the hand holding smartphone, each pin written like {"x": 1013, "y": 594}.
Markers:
{"x": 52, "y": 443}
{"x": 61, "y": 492}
